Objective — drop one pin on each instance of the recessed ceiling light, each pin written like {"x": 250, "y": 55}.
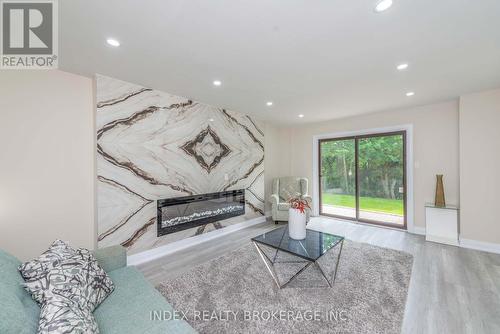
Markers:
{"x": 410, "y": 93}
{"x": 402, "y": 66}
{"x": 217, "y": 83}
{"x": 269, "y": 103}
{"x": 301, "y": 116}
{"x": 211, "y": 119}
{"x": 383, "y": 5}
{"x": 113, "y": 42}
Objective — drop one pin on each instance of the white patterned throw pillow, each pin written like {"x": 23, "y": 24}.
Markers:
{"x": 36, "y": 268}
{"x": 61, "y": 315}
{"x": 68, "y": 284}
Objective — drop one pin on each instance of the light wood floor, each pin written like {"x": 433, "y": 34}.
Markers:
{"x": 452, "y": 290}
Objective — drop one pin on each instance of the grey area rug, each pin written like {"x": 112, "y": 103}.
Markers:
{"x": 236, "y": 294}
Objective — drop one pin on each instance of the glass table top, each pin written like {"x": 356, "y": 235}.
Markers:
{"x": 447, "y": 206}
{"x": 311, "y": 248}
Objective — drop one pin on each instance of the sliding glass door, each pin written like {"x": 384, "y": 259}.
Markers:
{"x": 338, "y": 177}
{"x": 363, "y": 178}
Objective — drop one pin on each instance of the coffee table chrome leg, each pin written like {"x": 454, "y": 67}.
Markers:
{"x": 338, "y": 260}
{"x": 277, "y": 250}
{"x": 270, "y": 268}
{"x": 323, "y": 273}
{"x": 297, "y": 274}
{"x": 275, "y": 255}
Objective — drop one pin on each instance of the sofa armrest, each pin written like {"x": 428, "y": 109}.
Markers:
{"x": 111, "y": 258}
{"x": 307, "y": 198}
{"x": 274, "y": 199}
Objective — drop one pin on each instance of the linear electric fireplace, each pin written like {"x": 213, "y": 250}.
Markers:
{"x": 180, "y": 213}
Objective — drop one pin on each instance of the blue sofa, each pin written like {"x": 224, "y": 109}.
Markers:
{"x": 127, "y": 310}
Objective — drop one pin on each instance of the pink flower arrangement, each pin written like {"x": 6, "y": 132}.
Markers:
{"x": 299, "y": 204}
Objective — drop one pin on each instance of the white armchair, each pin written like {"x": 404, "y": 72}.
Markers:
{"x": 283, "y": 189}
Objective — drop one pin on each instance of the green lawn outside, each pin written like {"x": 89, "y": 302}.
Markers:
{"x": 392, "y": 206}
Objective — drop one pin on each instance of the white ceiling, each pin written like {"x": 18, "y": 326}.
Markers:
{"x": 321, "y": 58}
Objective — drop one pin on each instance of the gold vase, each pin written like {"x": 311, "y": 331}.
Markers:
{"x": 439, "y": 200}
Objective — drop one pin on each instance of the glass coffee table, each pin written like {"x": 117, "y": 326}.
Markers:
{"x": 311, "y": 249}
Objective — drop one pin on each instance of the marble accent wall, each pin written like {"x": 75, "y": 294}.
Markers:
{"x": 154, "y": 145}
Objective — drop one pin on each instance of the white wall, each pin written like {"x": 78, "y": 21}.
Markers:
{"x": 277, "y": 158}
{"x": 46, "y": 161}
{"x": 435, "y": 147}
{"x": 480, "y": 166}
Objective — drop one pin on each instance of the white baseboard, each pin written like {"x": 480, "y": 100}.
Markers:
{"x": 480, "y": 245}
{"x": 175, "y": 246}
{"x": 441, "y": 240}
{"x": 418, "y": 230}
{"x": 463, "y": 243}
